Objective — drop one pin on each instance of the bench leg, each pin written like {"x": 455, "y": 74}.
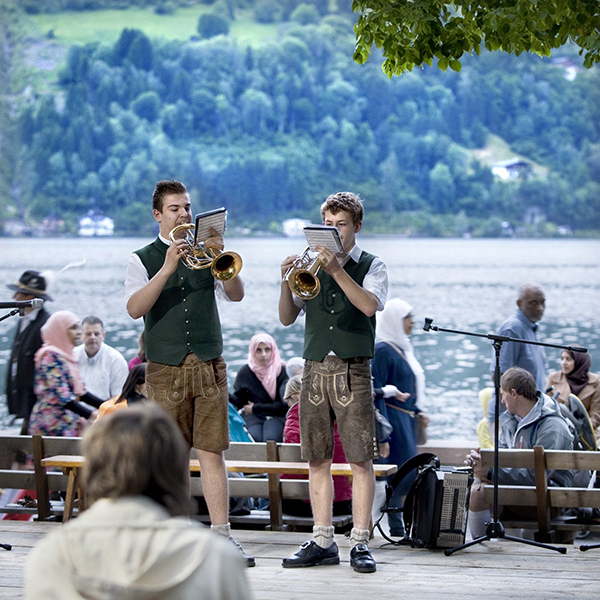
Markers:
{"x": 41, "y": 479}
{"x": 72, "y": 486}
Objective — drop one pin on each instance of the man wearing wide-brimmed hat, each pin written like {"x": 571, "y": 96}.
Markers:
{"x": 21, "y": 369}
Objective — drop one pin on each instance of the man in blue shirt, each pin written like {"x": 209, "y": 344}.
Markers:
{"x": 523, "y": 325}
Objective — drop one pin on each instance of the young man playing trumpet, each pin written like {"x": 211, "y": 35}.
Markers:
{"x": 339, "y": 340}
{"x": 186, "y": 373}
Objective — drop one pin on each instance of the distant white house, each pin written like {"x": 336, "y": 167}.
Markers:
{"x": 294, "y": 227}
{"x": 96, "y": 224}
{"x": 511, "y": 169}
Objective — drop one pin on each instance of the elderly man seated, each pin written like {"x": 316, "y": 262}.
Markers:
{"x": 531, "y": 419}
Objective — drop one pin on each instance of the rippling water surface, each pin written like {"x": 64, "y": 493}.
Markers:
{"x": 468, "y": 285}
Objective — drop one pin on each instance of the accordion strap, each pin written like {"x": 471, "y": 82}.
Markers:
{"x": 410, "y": 465}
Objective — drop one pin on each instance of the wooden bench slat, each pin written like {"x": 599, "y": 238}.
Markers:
{"x": 237, "y": 466}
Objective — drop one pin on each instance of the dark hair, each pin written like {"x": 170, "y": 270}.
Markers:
{"x": 137, "y": 376}
{"x": 138, "y": 451}
{"x": 92, "y": 320}
{"x": 344, "y": 201}
{"x": 165, "y": 188}
{"x": 521, "y": 381}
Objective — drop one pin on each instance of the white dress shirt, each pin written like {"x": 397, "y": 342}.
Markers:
{"x": 104, "y": 373}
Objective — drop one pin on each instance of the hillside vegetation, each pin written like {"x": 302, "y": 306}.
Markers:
{"x": 272, "y": 117}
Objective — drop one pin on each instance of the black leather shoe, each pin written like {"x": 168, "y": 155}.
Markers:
{"x": 361, "y": 559}
{"x": 249, "y": 560}
{"x": 312, "y": 555}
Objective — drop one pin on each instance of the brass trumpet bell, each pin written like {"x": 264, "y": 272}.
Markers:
{"x": 223, "y": 265}
{"x": 302, "y": 276}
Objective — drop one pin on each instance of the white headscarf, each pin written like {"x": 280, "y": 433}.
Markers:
{"x": 390, "y": 328}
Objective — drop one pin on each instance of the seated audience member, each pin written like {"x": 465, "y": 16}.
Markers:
{"x": 342, "y": 488}
{"x": 485, "y": 434}
{"x": 294, "y": 366}
{"x": 136, "y": 540}
{"x": 103, "y": 369}
{"x": 258, "y": 390}
{"x": 134, "y": 391}
{"x": 575, "y": 378}
{"x": 530, "y": 419}
{"x": 58, "y": 385}
{"x": 140, "y": 357}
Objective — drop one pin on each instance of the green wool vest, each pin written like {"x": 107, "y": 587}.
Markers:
{"x": 333, "y": 323}
{"x": 185, "y": 316}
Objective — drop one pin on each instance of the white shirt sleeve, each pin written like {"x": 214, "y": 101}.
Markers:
{"x": 136, "y": 276}
{"x": 376, "y": 281}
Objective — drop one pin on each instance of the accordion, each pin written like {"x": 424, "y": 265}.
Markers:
{"x": 436, "y": 514}
{"x": 437, "y": 504}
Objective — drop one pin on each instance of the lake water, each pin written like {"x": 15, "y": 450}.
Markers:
{"x": 469, "y": 285}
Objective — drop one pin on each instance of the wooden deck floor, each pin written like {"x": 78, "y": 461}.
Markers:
{"x": 493, "y": 570}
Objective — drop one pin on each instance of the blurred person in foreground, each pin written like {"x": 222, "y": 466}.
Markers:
{"x": 136, "y": 540}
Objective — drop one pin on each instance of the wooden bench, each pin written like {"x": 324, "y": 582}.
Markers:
{"x": 28, "y": 451}
{"x": 542, "y": 496}
{"x": 268, "y": 484}
{"x": 273, "y": 487}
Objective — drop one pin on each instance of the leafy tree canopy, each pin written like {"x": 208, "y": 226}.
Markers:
{"x": 413, "y": 32}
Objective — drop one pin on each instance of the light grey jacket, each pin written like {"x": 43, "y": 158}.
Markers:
{"x": 131, "y": 549}
{"x": 543, "y": 426}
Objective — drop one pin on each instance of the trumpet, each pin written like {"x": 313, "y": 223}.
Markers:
{"x": 223, "y": 265}
{"x": 302, "y": 276}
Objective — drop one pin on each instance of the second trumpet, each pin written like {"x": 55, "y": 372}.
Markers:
{"x": 302, "y": 276}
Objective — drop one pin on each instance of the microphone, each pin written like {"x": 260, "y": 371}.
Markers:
{"x": 35, "y": 303}
{"x": 427, "y": 325}
{"x": 576, "y": 349}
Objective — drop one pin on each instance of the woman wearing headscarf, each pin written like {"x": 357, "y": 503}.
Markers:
{"x": 575, "y": 378}
{"x": 259, "y": 388}
{"x": 399, "y": 381}
{"x": 58, "y": 385}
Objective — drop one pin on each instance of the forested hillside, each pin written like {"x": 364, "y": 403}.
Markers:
{"x": 268, "y": 130}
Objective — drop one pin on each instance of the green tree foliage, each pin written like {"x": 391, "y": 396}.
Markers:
{"x": 210, "y": 25}
{"x": 268, "y": 132}
{"x": 417, "y": 32}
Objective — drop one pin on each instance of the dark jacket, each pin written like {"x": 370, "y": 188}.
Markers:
{"x": 19, "y": 390}
{"x": 248, "y": 388}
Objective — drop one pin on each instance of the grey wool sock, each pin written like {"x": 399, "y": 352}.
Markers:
{"x": 224, "y": 530}
{"x": 323, "y": 535}
{"x": 359, "y": 536}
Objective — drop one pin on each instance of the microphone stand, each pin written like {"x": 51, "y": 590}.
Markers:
{"x": 495, "y": 529}
{"x": 12, "y": 313}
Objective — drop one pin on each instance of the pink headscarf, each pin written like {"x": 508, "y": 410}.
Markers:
{"x": 266, "y": 375}
{"x": 56, "y": 339}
